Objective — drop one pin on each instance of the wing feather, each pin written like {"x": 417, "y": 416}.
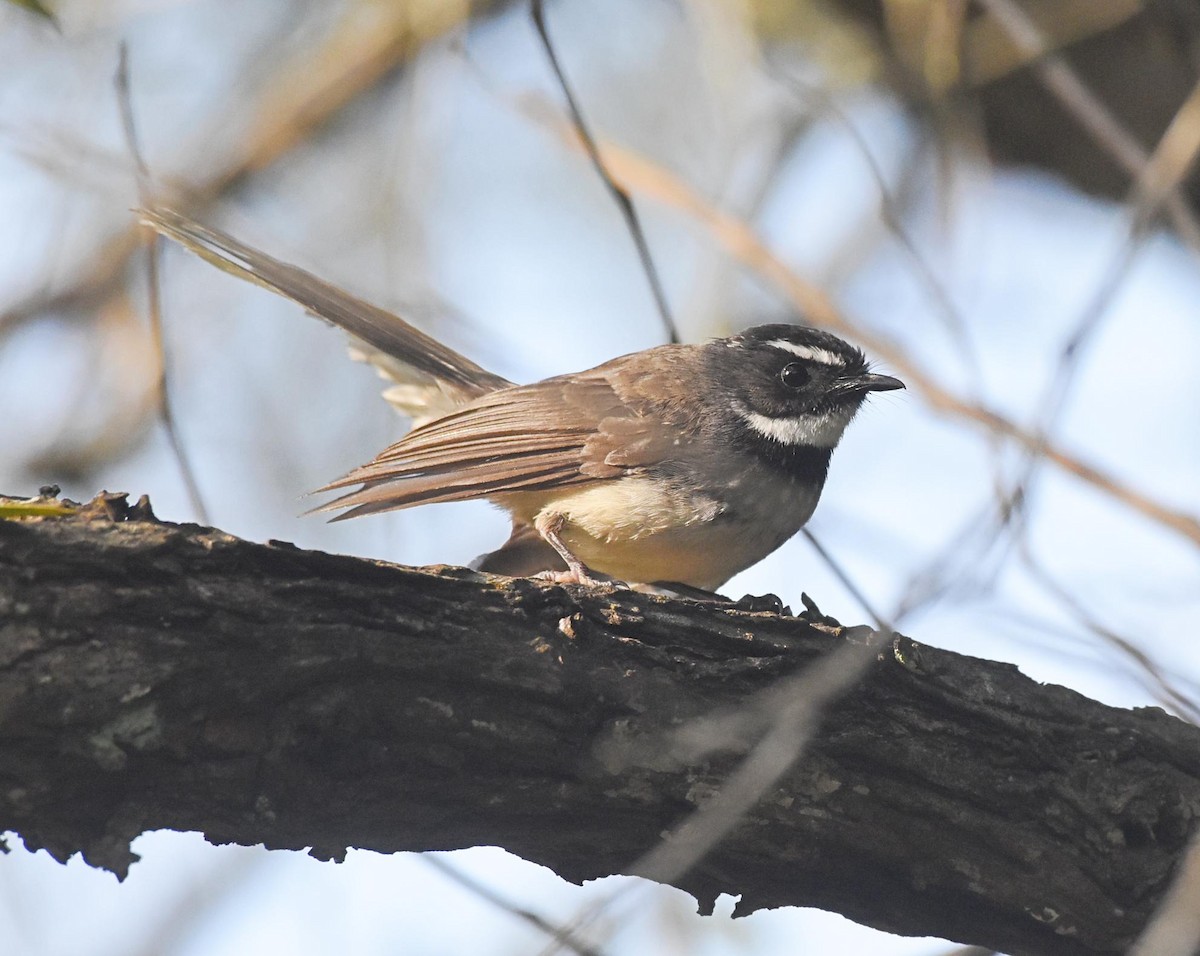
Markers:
{"x": 592, "y": 426}
{"x": 516, "y": 439}
{"x": 432, "y": 489}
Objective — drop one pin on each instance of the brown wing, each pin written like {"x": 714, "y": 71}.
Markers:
{"x": 568, "y": 430}
{"x": 516, "y": 439}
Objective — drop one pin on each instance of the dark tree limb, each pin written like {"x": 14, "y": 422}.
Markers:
{"x": 170, "y": 676}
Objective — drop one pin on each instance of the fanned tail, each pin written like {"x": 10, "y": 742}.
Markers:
{"x": 429, "y": 378}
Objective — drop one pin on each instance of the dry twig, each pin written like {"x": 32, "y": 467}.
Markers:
{"x": 1089, "y": 110}
{"x": 619, "y": 194}
{"x": 154, "y": 289}
{"x": 370, "y": 43}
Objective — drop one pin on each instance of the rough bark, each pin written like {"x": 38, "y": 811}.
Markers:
{"x": 155, "y": 675}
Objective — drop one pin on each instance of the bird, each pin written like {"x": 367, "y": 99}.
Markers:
{"x": 675, "y": 466}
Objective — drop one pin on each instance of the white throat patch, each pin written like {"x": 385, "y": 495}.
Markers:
{"x": 820, "y": 430}
{"x": 814, "y": 353}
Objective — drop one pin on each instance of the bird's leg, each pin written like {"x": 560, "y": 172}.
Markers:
{"x": 549, "y": 525}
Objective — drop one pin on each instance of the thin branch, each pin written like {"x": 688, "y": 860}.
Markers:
{"x": 991, "y": 533}
{"x": 1157, "y": 179}
{"x": 309, "y": 91}
{"x": 1161, "y": 685}
{"x": 1162, "y": 174}
{"x": 619, "y": 194}
{"x": 562, "y": 936}
{"x": 808, "y": 696}
{"x": 790, "y": 711}
{"x": 891, "y": 216}
{"x": 1174, "y": 157}
{"x": 154, "y": 291}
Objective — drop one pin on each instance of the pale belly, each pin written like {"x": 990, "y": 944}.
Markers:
{"x": 636, "y": 530}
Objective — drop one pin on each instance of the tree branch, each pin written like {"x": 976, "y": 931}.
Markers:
{"x": 157, "y": 675}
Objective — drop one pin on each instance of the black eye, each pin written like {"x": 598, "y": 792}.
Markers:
{"x": 794, "y": 375}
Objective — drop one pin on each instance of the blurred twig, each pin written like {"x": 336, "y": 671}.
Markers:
{"x": 1172, "y": 160}
{"x": 370, "y": 43}
{"x": 561, "y": 935}
{"x": 787, "y": 715}
{"x": 1056, "y": 74}
{"x": 154, "y": 290}
{"x": 1156, "y": 181}
{"x": 619, "y": 194}
{"x": 989, "y": 51}
{"x": 1083, "y": 637}
{"x": 801, "y": 702}
{"x": 1163, "y": 173}
{"x": 847, "y": 581}
{"x": 989, "y": 534}
{"x": 1161, "y": 685}
{"x": 34, "y": 6}
{"x": 892, "y": 217}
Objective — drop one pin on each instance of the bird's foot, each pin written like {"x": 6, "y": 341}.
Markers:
{"x": 549, "y": 524}
{"x": 580, "y": 575}
{"x": 814, "y": 615}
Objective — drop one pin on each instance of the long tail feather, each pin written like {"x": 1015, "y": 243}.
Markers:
{"x": 377, "y": 327}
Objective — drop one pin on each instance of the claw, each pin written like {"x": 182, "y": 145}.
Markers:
{"x": 762, "y": 602}
{"x": 581, "y": 575}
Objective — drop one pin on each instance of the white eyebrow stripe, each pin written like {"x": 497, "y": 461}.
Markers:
{"x": 813, "y": 353}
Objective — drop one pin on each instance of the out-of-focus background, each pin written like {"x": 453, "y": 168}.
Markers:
{"x": 994, "y": 198}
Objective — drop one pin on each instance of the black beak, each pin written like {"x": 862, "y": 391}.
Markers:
{"x": 870, "y": 382}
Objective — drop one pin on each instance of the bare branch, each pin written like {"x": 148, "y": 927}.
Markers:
{"x": 154, "y": 290}
{"x": 363, "y": 52}
{"x": 265, "y": 694}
